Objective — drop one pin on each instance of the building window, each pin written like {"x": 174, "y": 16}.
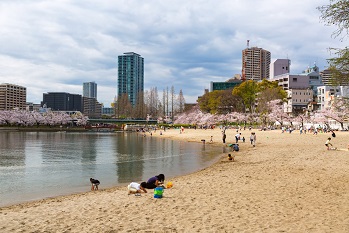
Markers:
{"x": 294, "y": 79}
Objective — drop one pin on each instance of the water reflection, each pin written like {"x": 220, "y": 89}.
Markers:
{"x": 38, "y": 165}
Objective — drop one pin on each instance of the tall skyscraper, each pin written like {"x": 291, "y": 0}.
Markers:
{"x": 89, "y": 90}
{"x": 130, "y": 76}
{"x": 255, "y": 64}
{"x": 12, "y": 97}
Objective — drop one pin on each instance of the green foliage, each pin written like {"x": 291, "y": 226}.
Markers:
{"x": 337, "y": 13}
{"x": 247, "y": 92}
{"x": 339, "y": 67}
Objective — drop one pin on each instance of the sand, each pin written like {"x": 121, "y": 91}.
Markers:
{"x": 287, "y": 183}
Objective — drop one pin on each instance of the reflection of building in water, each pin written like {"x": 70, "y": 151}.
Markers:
{"x": 9, "y": 141}
{"x": 130, "y": 157}
{"x": 88, "y": 152}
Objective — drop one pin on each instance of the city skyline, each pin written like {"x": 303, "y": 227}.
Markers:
{"x": 56, "y": 46}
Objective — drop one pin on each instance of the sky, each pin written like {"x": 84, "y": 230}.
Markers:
{"x": 57, "y": 45}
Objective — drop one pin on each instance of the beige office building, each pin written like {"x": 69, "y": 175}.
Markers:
{"x": 12, "y": 97}
{"x": 255, "y": 64}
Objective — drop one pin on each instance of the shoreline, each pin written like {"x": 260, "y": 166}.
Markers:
{"x": 72, "y": 184}
{"x": 288, "y": 182}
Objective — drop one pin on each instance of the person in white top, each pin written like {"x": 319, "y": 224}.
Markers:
{"x": 136, "y": 187}
{"x": 253, "y": 139}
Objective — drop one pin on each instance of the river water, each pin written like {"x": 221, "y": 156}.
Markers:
{"x": 37, "y": 165}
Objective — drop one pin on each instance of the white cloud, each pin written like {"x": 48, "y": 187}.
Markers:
{"x": 53, "y": 45}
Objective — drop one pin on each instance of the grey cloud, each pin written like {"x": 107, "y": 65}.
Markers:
{"x": 58, "y": 45}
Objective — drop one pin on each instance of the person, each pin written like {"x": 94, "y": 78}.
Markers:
{"x": 231, "y": 158}
{"x": 224, "y": 137}
{"x": 237, "y": 137}
{"x": 94, "y": 184}
{"x": 211, "y": 140}
{"x": 328, "y": 144}
{"x": 136, "y": 188}
{"x": 155, "y": 181}
{"x": 235, "y": 147}
{"x": 253, "y": 139}
{"x": 333, "y": 134}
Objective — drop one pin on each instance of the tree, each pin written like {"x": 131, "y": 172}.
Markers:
{"x": 139, "y": 110}
{"x": 337, "y": 13}
{"x": 277, "y": 113}
{"x": 124, "y": 107}
{"x": 229, "y": 103}
{"x": 173, "y": 95}
{"x": 339, "y": 111}
{"x": 152, "y": 102}
{"x": 268, "y": 91}
{"x": 247, "y": 91}
{"x": 181, "y": 101}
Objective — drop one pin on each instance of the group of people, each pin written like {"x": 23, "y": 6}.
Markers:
{"x": 152, "y": 183}
{"x": 134, "y": 187}
{"x": 328, "y": 143}
{"x": 253, "y": 138}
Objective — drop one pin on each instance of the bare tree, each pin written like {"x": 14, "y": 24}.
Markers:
{"x": 181, "y": 102}
{"x": 173, "y": 96}
{"x": 152, "y": 102}
{"x": 123, "y": 107}
{"x": 139, "y": 110}
{"x": 164, "y": 102}
{"x": 336, "y": 13}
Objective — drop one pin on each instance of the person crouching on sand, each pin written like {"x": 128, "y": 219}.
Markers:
{"x": 136, "y": 188}
{"x": 94, "y": 184}
{"x": 231, "y": 158}
{"x": 328, "y": 144}
{"x": 155, "y": 181}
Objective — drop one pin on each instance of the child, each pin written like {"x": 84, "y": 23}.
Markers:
{"x": 231, "y": 158}
{"x": 136, "y": 188}
{"x": 328, "y": 144}
{"x": 253, "y": 139}
{"x": 94, "y": 184}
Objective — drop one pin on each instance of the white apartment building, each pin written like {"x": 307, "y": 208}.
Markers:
{"x": 327, "y": 93}
{"x": 298, "y": 100}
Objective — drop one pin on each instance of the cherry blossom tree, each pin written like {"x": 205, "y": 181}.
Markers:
{"x": 339, "y": 111}
{"x": 277, "y": 113}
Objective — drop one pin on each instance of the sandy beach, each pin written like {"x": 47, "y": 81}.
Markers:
{"x": 287, "y": 183}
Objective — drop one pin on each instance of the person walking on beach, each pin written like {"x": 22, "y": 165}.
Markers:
{"x": 237, "y": 137}
{"x": 253, "y": 139}
{"x": 94, "y": 184}
{"x": 224, "y": 137}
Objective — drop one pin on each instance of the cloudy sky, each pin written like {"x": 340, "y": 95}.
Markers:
{"x": 56, "y": 45}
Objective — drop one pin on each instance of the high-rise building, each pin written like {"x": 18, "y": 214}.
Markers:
{"x": 12, "y": 97}
{"x": 89, "y": 90}
{"x": 130, "y": 76}
{"x": 91, "y": 107}
{"x": 62, "y": 101}
{"x": 255, "y": 64}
